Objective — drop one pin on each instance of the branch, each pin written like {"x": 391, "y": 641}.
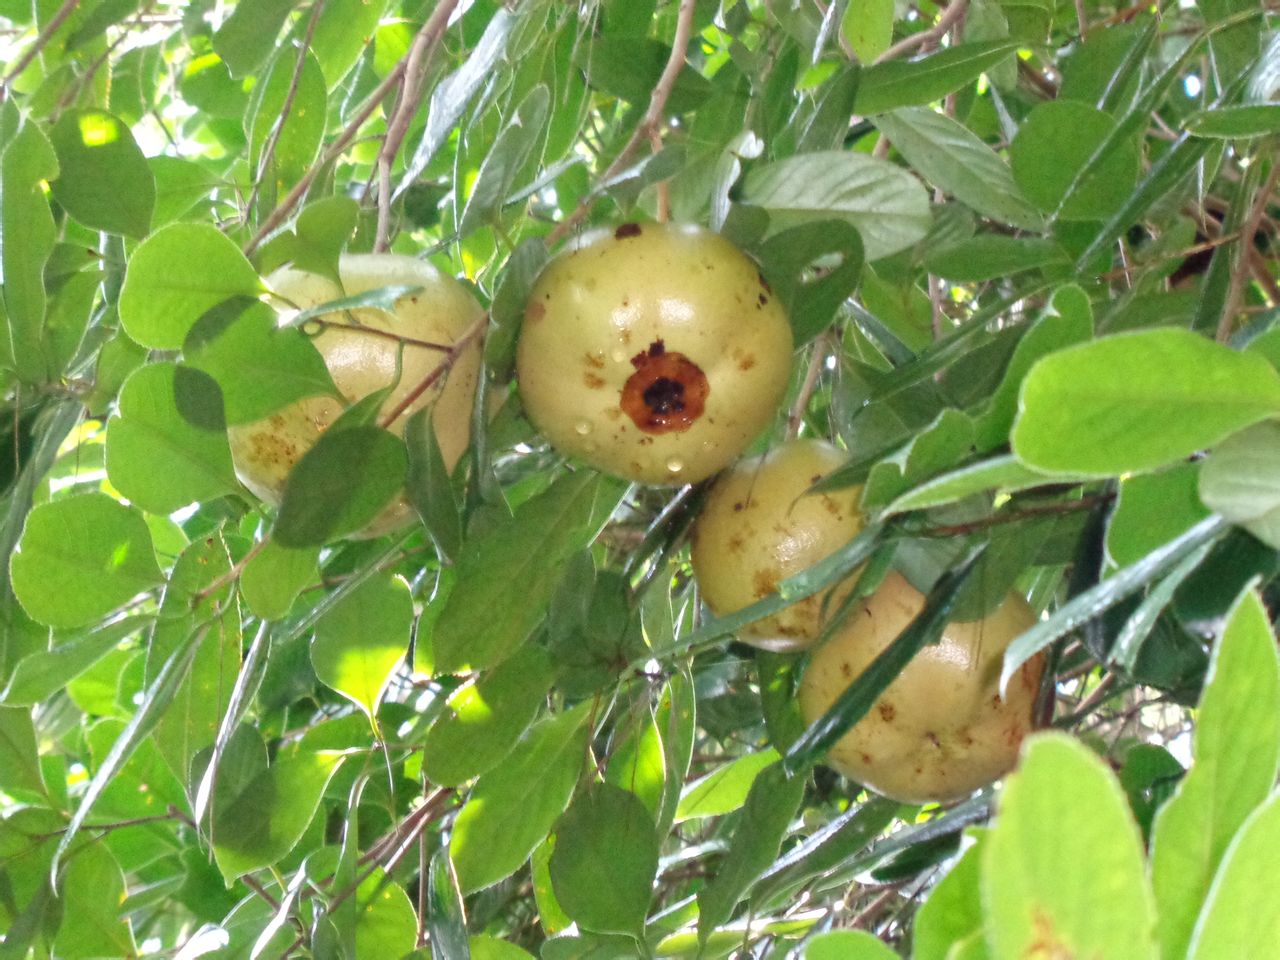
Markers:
{"x": 651, "y": 121}
{"x": 446, "y": 364}
{"x": 273, "y": 137}
{"x": 1247, "y": 232}
{"x": 42, "y": 41}
{"x": 955, "y": 10}
{"x": 419, "y": 55}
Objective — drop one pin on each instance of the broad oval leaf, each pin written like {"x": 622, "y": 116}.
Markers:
{"x": 1138, "y": 401}
{"x": 360, "y": 640}
{"x": 906, "y": 83}
{"x": 174, "y": 276}
{"x": 889, "y": 207}
{"x": 104, "y": 180}
{"x": 1241, "y": 480}
{"x": 80, "y": 558}
{"x": 1079, "y": 889}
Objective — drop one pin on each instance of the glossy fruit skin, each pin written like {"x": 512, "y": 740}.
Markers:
{"x": 941, "y": 730}
{"x": 760, "y": 525}
{"x": 655, "y": 352}
{"x": 361, "y": 362}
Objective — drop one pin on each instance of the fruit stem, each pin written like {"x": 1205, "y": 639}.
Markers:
{"x": 446, "y": 364}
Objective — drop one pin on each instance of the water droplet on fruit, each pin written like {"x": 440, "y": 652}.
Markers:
{"x": 675, "y": 465}
{"x": 583, "y": 428}
{"x": 619, "y": 356}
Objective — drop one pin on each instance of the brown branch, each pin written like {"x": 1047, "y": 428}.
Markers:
{"x": 375, "y": 332}
{"x": 228, "y": 577}
{"x": 335, "y": 149}
{"x": 411, "y": 92}
{"x": 1235, "y": 289}
{"x": 925, "y": 38}
{"x": 273, "y": 136}
{"x": 796, "y": 416}
{"x": 41, "y": 41}
{"x": 446, "y": 364}
{"x": 649, "y": 124}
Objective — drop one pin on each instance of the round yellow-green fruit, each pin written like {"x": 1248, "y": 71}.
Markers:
{"x": 941, "y": 730}
{"x": 760, "y": 525}
{"x": 360, "y": 349}
{"x": 655, "y": 352}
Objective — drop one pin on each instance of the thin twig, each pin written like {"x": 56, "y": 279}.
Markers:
{"x": 1235, "y": 289}
{"x": 411, "y": 93}
{"x": 375, "y": 332}
{"x": 41, "y": 41}
{"x": 955, "y": 10}
{"x": 446, "y": 364}
{"x": 1051, "y": 509}
{"x": 335, "y": 149}
{"x": 816, "y": 361}
{"x": 73, "y": 94}
{"x": 273, "y": 136}
{"x": 230, "y": 576}
{"x": 649, "y": 124}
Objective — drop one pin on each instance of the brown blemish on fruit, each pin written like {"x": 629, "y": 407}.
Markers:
{"x": 846, "y": 671}
{"x": 594, "y": 360}
{"x": 746, "y": 363}
{"x": 866, "y": 759}
{"x": 739, "y": 506}
{"x": 766, "y": 582}
{"x": 833, "y": 508}
{"x": 887, "y": 711}
{"x": 762, "y": 301}
{"x": 627, "y": 230}
{"x": 668, "y": 391}
{"x": 592, "y": 381}
{"x": 736, "y": 544}
{"x": 764, "y": 283}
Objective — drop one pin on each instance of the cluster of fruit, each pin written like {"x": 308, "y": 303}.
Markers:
{"x": 658, "y": 353}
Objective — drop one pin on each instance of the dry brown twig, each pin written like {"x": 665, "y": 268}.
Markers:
{"x": 1235, "y": 288}
{"x": 926, "y": 38}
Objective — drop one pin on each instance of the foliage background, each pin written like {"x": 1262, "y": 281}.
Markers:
{"x": 1028, "y": 251}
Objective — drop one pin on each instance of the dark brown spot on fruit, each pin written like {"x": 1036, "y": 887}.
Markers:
{"x": 668, "y": 391}
{"x": 846, "y": 671}
{"x": 762, "y": 301}
{"x": 887, "y": 711}
{"x": 746, "y": 363}
{"x": 764, "y": 283}
{"x": 739, "y": 506}
{"x": 766, "y": 582}
{"x": 627, "y": 230}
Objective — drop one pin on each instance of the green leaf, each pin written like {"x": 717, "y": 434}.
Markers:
{"x": 273, "y": 578}
{"x": 342, "y": 34}
{"x": 429, "y": 486}
{"x": 179, "y": 186}
{"x": 504, "y": 161}
{"x": 889, "y": 207}
{"x": 954, "y": 159}
{"x": 177, "y": 274}
{"x": 168, "y": 445}
{"x": 868, "y": 26}
{"x": 953, "y": 911}
{"x": 259, "y": 366}
{"x": 1003, "y": 473}
{"x": 317, "y": 242}
{"x": 360, "y": 640}
{"x": 28, "y": 229}
{"x": 326, "y": 498}
{"x": 1151, "y": 509}
{"x": 1240, "y": 917}
{"x": 19, "y": 758}
{"x": 80, "y": 558}
{"x": 259, "y": 812}
{"x": 1068, "y": 321}
{"x": 485, "y": 947}
{"x": 989, "y": 256}
{"x": 908, "y": 83}
{"x": 192, "y": 606}
{"x": 725, "y": 788}
{"x": 40, "y": 675}
{"x": 248, "y": 36}
{"x": 1052, "y": 147}
{"x": 446, "y": 914}
{"x": 483, "y": 721}
{"x": 1241, "y": 480}
{"x": 386, "y": 923}
{"x": 847, "y": 945}
{"x": 513, "y": 807}
{"x": 638, "y": 764}
{"x": 486, "y": 620}
{"x": 605, "y": 860}
{"x": 93, "y": 881}
{"x": 299, "y": 133}
{"x": 103, "y": 181}
{"x": 628, "y": 67}
{"x": 1235, "y": 122}
{"x": 771, "y": 803}
{"x": 1079, "y": 889}
{"x": 788, "y": 259}
{"x": 943, "y": 443}
{"x": 1237, "y": 749}
{"x": 1126, "y": 402}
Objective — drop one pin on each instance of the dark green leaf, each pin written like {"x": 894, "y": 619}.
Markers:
{"x": 788, "y": 260}
{"x": 326, "y": 498}
{"x": 19, "y": 758}
{"x": 429, "y": 486}
{"x": 1238, "y": 122}
{"x": 908, "y": 83}
{"x": 1151, "y": 510}
{"x": 446, "y": 917}
{"x": 503, "y": 163}
{"x": 40, "y": 675}
{"x": 27, "y": 225}
{"x": 772, "y": 802}
{"x": 248, "y": 36}
{"x": 989, "y": 256}
{"x": 605, "y": 861}
{"x": 486, "y": 620}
